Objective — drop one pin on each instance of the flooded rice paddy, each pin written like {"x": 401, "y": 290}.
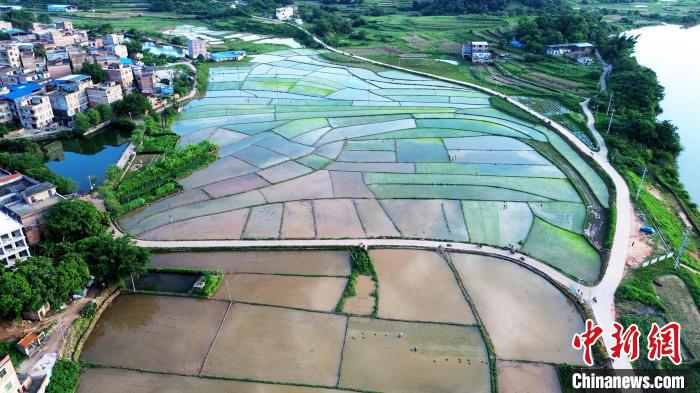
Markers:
{"x": 310, "y": 293}
{"x": 312, "y": 149}
{"x": 424, "y": 337}
{"x": 517, "y": 309}
{"x": 419, "y": 286}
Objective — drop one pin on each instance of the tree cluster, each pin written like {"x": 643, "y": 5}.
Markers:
{"x": 133, "y": 104}
{"x": 77, "y": 245}
{"x": 558, "y": 28}
{"x": 27, "y": 158}
{"x": 458, "y": 7}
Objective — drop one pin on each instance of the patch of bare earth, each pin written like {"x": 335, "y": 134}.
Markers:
{"x": 416, "y": 41}
{"x": 363, "y": 301}
{"x": 519, "y": 377}
{"x": 638, "y": 247}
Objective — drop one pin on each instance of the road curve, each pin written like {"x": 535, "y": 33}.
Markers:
{"x": 604, "y": 291}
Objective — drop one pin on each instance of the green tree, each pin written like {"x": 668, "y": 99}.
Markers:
{"x": 42, "y": 277}
{"x": 15, "y": 293}
{"x": 73, "y": 274}
{"x": 95, "y": 71}
{"x": 105, "y": 111}
{"x": 75, "y": 219}
{"x": 112, "y": 260}
{"x": 133, "y": 104}
{"x": 94, "y": 116}
{"x": 82, "y": 123}
{"x": 64, "y": 377}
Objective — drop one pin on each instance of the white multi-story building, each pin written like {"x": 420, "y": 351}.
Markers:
{"x": 104, "y": 93}
{"x": 13, "y": 245}
{"x": 5, "y": 112}
{"x": 70, "y": 96}
{"x": 10, "y": 56}
{"x": 197, "y": 47}
{"x": 284, "y": 13}
{"x": 35, "y": 111}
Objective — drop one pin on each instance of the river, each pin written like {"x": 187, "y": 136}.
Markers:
{"x": 673, "y": 53}
{"x": 79, "y": 158}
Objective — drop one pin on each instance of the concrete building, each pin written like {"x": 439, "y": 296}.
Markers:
{"x": 196, "y": 48}
{"x": 117, "y": 50}
{"x": 9, "y": 55}
{"x": 61, "y": 8}
{"x": 9, "y": 383}
{"x": 31, "y": 343}
{"x": 570, "y": 50}
{"x": 13, "y": 245}
{"x": 35, "y": 111}
{"x": 5, "y": 112}
{"x": 284, "y": 13}
{"x": 26, "y": 200}
{"x": 476, "y": 51}
{"x": 122, "y": 74}
{"x": 104, "y": 93}
{"x": 113, "y": 39}
{"x": 64, "y": 25}
{"x": 17, "y": 93}
{"x": 70, "y": 96}
{"x": 5, "y": 25}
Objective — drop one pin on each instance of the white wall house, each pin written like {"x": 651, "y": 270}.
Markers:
{"x": 284, "y": 13}
{"x": 13, "y": 245}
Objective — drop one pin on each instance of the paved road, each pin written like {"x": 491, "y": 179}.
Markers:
{"x": 603, "y": 308}
{"x": 602, "y": 86}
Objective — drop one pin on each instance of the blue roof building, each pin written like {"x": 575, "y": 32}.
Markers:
{"x": 22, "y": 90}
{"x": 61, "y": 8}
{"x": 126, "y": 61}
{"x": 235, "y": 55}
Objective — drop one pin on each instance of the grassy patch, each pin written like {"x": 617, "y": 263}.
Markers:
{"x": 506, "y": 107}
{"x": 158, "y": 144}
{"x": 638, "y": 284}
{"x": 212, "y": 282}
{"x": 567, "y": 251}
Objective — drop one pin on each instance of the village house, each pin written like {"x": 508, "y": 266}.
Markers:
{"x": 476, "y": 51}
{"x": 30, "y": 343}
{"x": 26, "y": 201}
{"x": 571, "y": 50}
{"x": 9, "y": 382}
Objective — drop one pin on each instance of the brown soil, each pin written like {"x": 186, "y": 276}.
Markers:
{"x": 392, "y": 356}
{"x": 277, "y": 344}
{"x": 416, "y": 42}
{"x": 517, "y": 377}
{"x": 638, "y": 247}
{"x": 311, "y": 293}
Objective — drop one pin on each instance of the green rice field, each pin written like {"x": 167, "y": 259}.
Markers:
{"x": 312, "y": 149}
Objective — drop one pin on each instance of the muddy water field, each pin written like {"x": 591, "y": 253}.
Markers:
{"x": 273, "y": 327}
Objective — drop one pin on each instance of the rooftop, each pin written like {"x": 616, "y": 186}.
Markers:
{"x": 7, "y": 224}
{"x": 71, "y": 78}
{"x": 27, "y": 340}
{"x": 37, "y": 188}
{"x": 22, "y": 90}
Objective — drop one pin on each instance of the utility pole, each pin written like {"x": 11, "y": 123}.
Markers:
{"x": 132, "y": 282}
{"x": 684, "y": 243}
{"x": 610, "y": 122}
{"x": 641, "y": 183}
{"x": 609, "y": 103}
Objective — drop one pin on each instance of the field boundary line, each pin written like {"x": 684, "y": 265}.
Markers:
{"x": 216, "y": 336}
{"x": 342, "y": 350}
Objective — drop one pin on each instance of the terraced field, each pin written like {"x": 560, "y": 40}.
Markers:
{"x": 311, "y": 149}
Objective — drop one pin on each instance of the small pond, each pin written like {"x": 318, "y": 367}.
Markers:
{"x": 84, "y": 160}
{"x": 166, "y": 282}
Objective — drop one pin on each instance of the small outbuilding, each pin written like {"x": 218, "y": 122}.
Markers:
{"x": 30, "y": 343}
